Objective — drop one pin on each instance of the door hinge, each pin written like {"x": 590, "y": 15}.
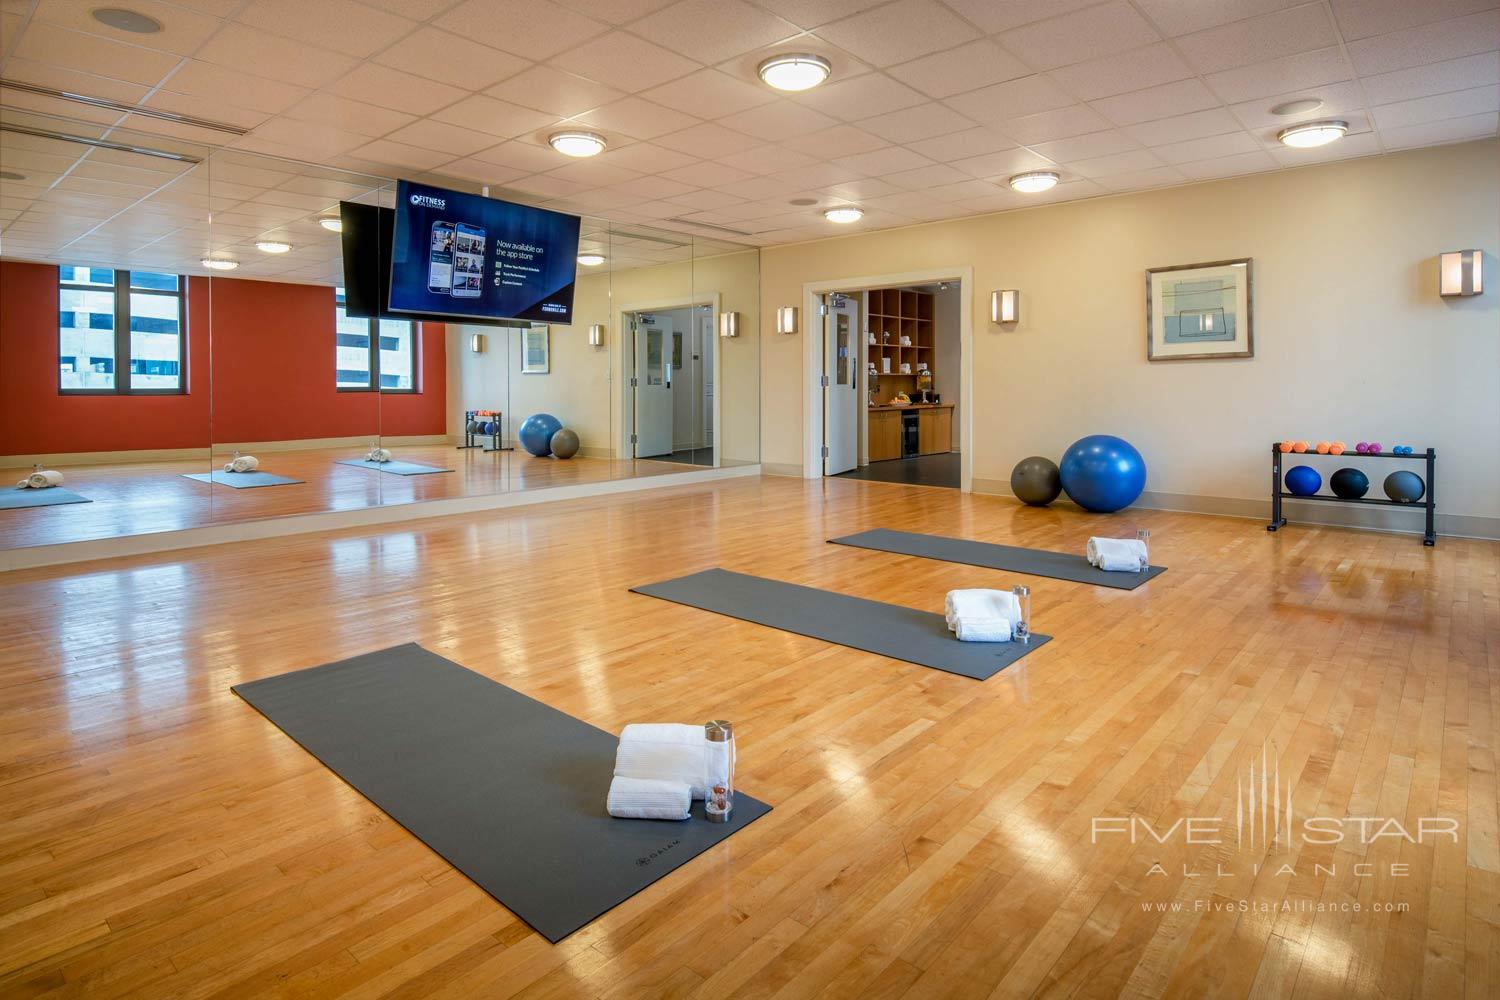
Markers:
{"x": 825, "y": 451}
{"x": 633, "y": 439}
{"x": 823, "y": 309}
{"x": 633, "y": 382}
{"x": 823, "y": 381}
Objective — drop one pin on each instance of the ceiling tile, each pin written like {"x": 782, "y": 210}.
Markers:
{"x": 420, "y": 10}
{"x": 1141, "y": 179}
{"x": 206, "y": 80}
{"x": 1278, "y": 76}
{"x": 351, "y": 116}
{"x": 554, "y": 91}
{"x": 819, "y": 175}
{"x": 638, "y": 118}
{"x": 968, "y": 67}
{"x": 395, "y": 89}
{"x": 959, "y": 145}
{"x": 1364, "y": 18}
{"x": 1003, "y": 164}
{"x": 705, "y": 199}
{"x": 400, "y": 155}
{"x": 1060, "y": 124}
{"x": 1481, "y": 126}
{"x": 1229, "y": 166}
{"x": 811, "y": 13}
{"x": 713, "y": 30}
{"x": 1086, "y": 146}
{"x": 1165, "y": 101}
{"x": 1214, "y": 121}
{"x": 341, "y": 25}
{"x": 898, "y": 31}
{"x": 262, "y": 54}
{"x": 861, "y": 97}
{"x": 767, "y": 159}
{"x": 449, "y": 141}
{"x": 1423, "y": 110}
{"x": 625, "y": 62}
{"x": 1179, "y": 17}
{"x": 47, "y": 43}
{"x": 913, "y": 124}
{"x": 447, "y": 58}
{"x": 1130, "y": 161}
{"x": 706, "y": 173}
{"x": 1337, "y": 98}
{"x": 889, "y": 160}
{"x": 493, "y": 117}
{"x": 924, "y": 178}
{"x": 1012, "y": 99}
{"x": 963, "y": 190}
{"x": 764, "y": 187}
{"x": 709, "y": 93}
{"x": 1080, "y": 35}
{"x": 709, "y": 141}
{"x": 182, "y": 31}
{"x": 995, "y": 16}
{"x": 522, "y": 155}
{"x": 1270, "y": 36}
{"x": 1213, "y": 147}
{"x": 1437, "y": 78}
{"x": 532, "y": 29}
{"x": 1119, "y": 74}
{"x": 593, "y": 172}
{"x": 1462, "y": 36}
{"x": 779, "y": 120}
{"x": 653, "y": 187}
{"x": 840, "y": 140}
{"x": 644, "y": 157}
{"x": 616, "y": 11}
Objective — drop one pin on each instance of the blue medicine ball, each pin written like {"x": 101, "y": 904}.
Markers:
{"x": 535, "y": 433}
{"x": 1303, "y": 480}
{"x": 1102, "y": 473}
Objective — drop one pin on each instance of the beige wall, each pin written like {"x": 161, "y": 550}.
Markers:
{"x": 1351, "y": 338}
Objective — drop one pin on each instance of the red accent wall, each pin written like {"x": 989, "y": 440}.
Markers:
{"x": 273, "y": 361}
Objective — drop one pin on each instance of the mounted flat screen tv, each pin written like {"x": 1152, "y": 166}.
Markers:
{"x": 461, "y": 256}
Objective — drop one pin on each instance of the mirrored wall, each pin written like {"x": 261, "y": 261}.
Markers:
{"x": 183, "y": 341}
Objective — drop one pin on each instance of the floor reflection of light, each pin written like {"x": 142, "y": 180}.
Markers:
{"x": 1038, "y": 842}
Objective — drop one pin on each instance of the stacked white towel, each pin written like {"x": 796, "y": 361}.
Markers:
{"x": 41, "y": 480}
{"x": 378, "y": 455}
{"x": 982, "y": 615}
{"x": 1127, "y": 555}
{"x": 648, "y": 798}
{"x": 242, "y": 463}
{"x": 663, "y": 751}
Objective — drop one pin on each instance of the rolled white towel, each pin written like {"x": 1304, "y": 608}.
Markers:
{"x": 1126, "y": 555}
{"x": 663, "y": 751}
{"x": 648, "y": 798}
{"x": 981, "y": 605}
{"x": 378, "y": 455}
{"x": 42, "y": 479}
{"x": 242, "y": 463}
{"x": 983, "y": 629}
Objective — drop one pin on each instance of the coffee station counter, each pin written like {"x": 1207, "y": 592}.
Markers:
{"x": 896, "y": 433}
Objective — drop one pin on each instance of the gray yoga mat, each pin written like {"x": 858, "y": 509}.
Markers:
{"x": 242, "y": 480}
{"x": 1012, "y": 558}
{"x": 508, "y": 790}
{"x": 14, "y": 499}
{"x": 893, "y": 630}
{"x": 393, "y": 467}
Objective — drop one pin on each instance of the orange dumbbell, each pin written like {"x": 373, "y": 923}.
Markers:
{"x": 1299, "y": 446}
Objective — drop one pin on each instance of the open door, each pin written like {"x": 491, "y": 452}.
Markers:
{"x": 840, "y": 385}
{"x": 653, "y": 384}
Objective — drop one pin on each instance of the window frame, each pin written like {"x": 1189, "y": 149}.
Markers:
{"x": 372, "y": 324}
{"x": 121, "y": 291}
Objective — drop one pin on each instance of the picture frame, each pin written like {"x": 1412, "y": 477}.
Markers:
{"x": 536, "y": 350}
{"x": 1200, "y": 312}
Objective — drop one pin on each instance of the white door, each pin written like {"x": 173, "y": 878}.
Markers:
{"x": 706, "y": 369}
{"x": 653, "y": 384}
{"x": 840, "y": 385}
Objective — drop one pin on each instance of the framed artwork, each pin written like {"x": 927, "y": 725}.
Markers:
{"x": 536, "y": 356}
{"x": 1199, "y": 311}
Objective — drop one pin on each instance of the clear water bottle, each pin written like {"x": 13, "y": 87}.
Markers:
{"x": 1022, "y": 630}
{"x": 718, "y": 802}
{"x": 1143, "y": 536}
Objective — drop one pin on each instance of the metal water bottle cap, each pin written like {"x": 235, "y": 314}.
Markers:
{"x": 718, "y": 731}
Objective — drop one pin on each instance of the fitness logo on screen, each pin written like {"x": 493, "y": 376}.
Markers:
{"x": 428, "y": 201}
{"x": 1264, "y": 817}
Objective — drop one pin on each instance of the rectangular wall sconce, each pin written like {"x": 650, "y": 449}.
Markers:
{"x": 596, "y": 335}
{"x": 1461, "y": 272}
{"x": 729, "y": 324}
{"x": 476, "y": 343}
{"x": 786, "y": 319}
{"x": 1005, "y": 306}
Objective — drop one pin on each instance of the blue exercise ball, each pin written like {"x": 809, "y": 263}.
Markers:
{"x": 1102, "y": 473}
{"x": 1303, "y": 480}
{"x": 535, "y": 433}
{"x": 1349, "y": 484}
{"x": 1404, "y": 487}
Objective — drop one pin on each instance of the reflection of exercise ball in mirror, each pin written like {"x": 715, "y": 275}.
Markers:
{"x": 564, "y": 443}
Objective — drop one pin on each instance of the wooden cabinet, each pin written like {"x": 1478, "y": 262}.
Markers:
{"x": 935, "y": 430}
{"x": 885, "y": 435}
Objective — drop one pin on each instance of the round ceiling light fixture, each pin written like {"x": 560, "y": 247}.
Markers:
{"x": 794, "y": 71}
{"x": 591, "y": 259}
{"x": 577, "y": 143}
{"x": 844, "y": 214}
{"x": 122, "y": 19}
{"x": 332, "y": 225}
{"x": 219, "y": 264}
{"x": 1034, "y": 181}
{"x": 1301, "y": 106}
{"x": 1313, "y": 134}
{"x": 273, "y": 246}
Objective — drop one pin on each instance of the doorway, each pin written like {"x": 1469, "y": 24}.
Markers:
{"x": 670, "y": 368}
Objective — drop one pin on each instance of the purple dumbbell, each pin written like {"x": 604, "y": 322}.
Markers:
{"x": 1374, "y": 448}
{"x": 1362, "y": 447}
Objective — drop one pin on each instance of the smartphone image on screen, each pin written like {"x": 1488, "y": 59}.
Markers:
{"x": 440, "y": 259}
{"x": 468, "y": 261}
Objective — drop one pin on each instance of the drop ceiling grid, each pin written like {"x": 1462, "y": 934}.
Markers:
{"x": 694, "y": 139}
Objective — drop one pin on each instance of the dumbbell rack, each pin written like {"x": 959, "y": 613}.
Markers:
{"x": 1427, "y": 503}
{"x": 472, "y": 440}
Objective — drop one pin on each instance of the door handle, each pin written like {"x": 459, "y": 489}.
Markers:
{"x": 669, "y": 374}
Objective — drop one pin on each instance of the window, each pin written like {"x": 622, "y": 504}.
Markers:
{"x": 106, "y": 316}
{"x": 373, "y": 353}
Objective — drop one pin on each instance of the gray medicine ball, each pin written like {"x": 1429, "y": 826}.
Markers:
{"x": 1035, "y": 481}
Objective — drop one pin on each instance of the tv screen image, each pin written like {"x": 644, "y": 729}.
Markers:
{"x": 468, "y": 257}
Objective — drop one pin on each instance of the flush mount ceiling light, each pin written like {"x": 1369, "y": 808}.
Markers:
{"x": 844, "y": 214}
{"x": 1313, "y": 134}
{"x": 273, "y": 246}
{"x": 132, "y": 21}
{"x": 577, "y": 143}
{"x": 219, "y": 264}
{"x": 332, "y": 225}
{"x": 1301, "y": 106}
{"x": 1034, "y": 182}
{"x": 794, "y": 71}
{"x": 591, "y": 259}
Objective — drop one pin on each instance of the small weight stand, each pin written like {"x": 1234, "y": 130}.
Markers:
{"x": 474, "y": 440}
{"x": 1428, "y": 501}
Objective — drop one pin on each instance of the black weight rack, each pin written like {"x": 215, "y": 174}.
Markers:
{"x": 1428, "y": 502}
{"x": 472, "y": 439}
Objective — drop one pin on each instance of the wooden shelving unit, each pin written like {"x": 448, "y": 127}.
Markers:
{"x": 894, "y": 314}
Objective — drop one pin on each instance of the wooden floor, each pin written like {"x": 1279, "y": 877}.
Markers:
{"x": 142, "y": 497}
{"x": 933, "y": 836}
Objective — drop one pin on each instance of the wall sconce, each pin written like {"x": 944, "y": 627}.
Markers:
{"x": 786, "y": 319}
{"x": 476, "y": 343}
{"x": 596, "y": 335}
{"x": 729, "y": 324}
{"x": 1461, "y": 272}
{"x": 1005, "y": 306}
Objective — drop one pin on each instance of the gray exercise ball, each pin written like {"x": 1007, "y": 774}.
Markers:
{"x": 564, "y": 443}
{"x": 1035, "y": 481}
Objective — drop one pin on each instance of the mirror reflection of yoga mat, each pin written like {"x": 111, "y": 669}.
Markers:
{"x": 393, "y": 467}
{"x": 902, "y": 633}
{"x": 1011, "y": 558}
{"x": 241, "y": 480}
{"x": 508, "y": 790}
{"x": 17, "y": 499}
